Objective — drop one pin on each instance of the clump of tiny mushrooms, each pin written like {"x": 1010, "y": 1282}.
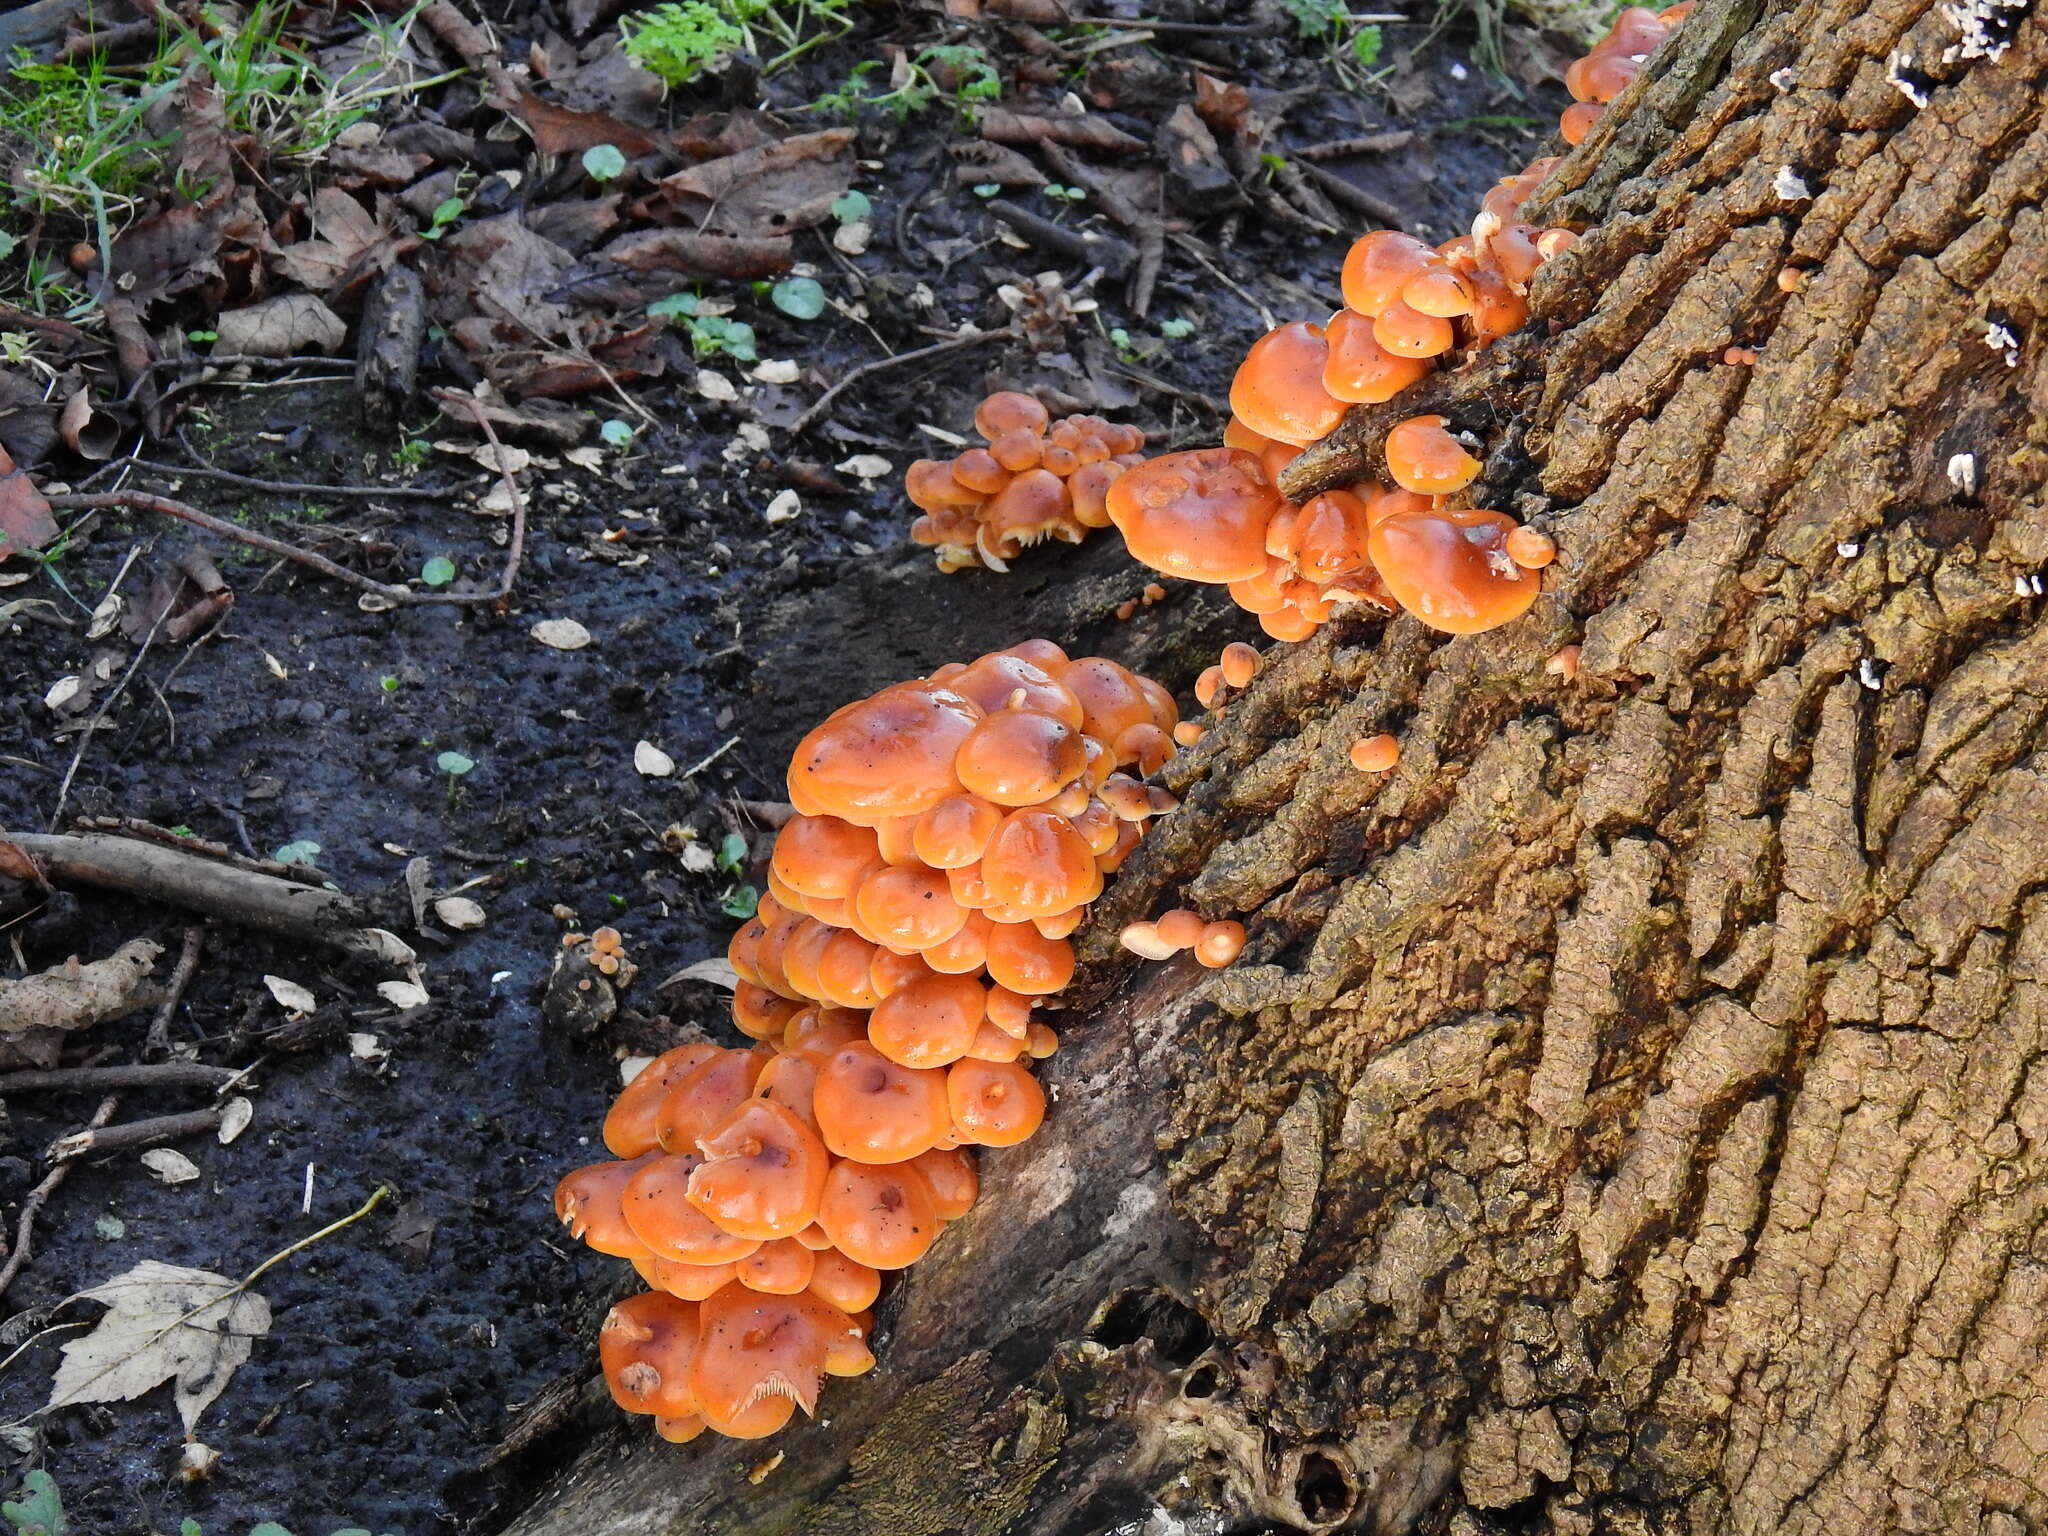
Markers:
{"x": 1414, "y": 543}
{"x": 950, "y": 834}
{"x": 1037, "y": 479}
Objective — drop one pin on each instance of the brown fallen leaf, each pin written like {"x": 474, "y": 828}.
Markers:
{"x": 686, "y": 250}
{"x": 184, "y": 601}
{"x": 342, "y": 230}
{"x": 89, "y": 433}
{"x": 979, "y": 161}
{"x": 1078, "y": 131}
{"x": 772, "y": 190}
{"x": 375, "y": 166}
{"x": 285, "y": 326}
{"x": 25, "y": 519}
{"x": 541, "y": 421}
{"x": 77, "y": 995}
{"x": 560, "y": 131}
{"x": 708, "y": 135}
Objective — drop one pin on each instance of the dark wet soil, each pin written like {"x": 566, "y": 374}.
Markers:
{"x": 403, "y": 1345}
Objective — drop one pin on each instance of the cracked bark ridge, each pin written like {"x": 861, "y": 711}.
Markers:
{"x": 1630, "y": 1113}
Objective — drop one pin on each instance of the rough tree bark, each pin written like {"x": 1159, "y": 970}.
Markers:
{"x": 1632, "y": 1113}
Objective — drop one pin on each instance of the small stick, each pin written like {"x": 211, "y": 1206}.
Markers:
{"x": 1364, "y": 144}
{"x": 1112, "y": 255}
{"x": 40, "y": 1195}
{"x": 881, "y": 364}
{"x": 1195, "y": 249}
{"x": 148, "y": 1074}
{"x": 691, "y": 773}
{"x": 159, "y": 1039}
{"x": 290, "y": 487}
{"x": 136, "y": 1133}
{"x": 1357, "y": 199}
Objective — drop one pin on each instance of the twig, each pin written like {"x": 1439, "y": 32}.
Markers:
{"x": 144, "y": 501}
{"x": 201, "y": 885}
{"x": 100, "y": 715}
{"x": 246, "y": 360}
{"x": 159, "y": 1038}
{"x": 691, "y": 773}
{"x": 136, "y": 1133}
{"x": 147, "y": 1074}
{"x": 517, "y": 548}
{"x": 882, "y": 364}
{"x": 1196, "y": 249}
{"x": 290, "y": 487}
{"x": 1114, "y": 256}
{"x": 135, "y": 826}
{"x": 40, "y": 1195}
{"x": 1357, "y": 199}
{"x": 1364, "y": 144}
{"x": 1149, "y": 229}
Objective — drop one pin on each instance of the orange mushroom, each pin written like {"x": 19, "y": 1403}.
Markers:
{"x": 1240, "y": 663}
{"x": 1019, "y": 757}
{"x": 931, "y": 1022}
{"x": 1278, "y": 389}
{"x": 821, "y": 855}
{"x": 995, "y": 1104}
{"x": 1009, "y": 410}
{"x": 953, "y": 1180}
{"x": 1038, "y": 865}
{"x": 883, "y": 1217}
{"x": 1407, "y": 332}
{"x": 1380, "y": 265}
{"x": 590, "y": 1203}
{"x": 1450, "y": 568}
{"x": 1530, "y": 548}
{"x": 1375, "y": 754}
{"x": 956, "y": 831}
{"x": 761, "y": 1357}
{"x": 646, "y": 1347}
{"x": 909, "y": 907}
{"x": 701, "y": 1100}
{"x": 1024, "y": 961}
{"x": 887, "y": 755}
{"x": 1200, "y": 515}
{"x": 878, "y": 1111}
{"x": 840, "y": 1282}
{"x": 762, "y": 1173}
{"x": 780, "y": 1268}
{"x": 1361, "y": 371}
{"x": 1220, "y": 944}
{"x": 656, "y": 1205}
{"x": 1335, "y": 527}
{"x": 1423, "y": 457}
{"x": 629, "y": 1124}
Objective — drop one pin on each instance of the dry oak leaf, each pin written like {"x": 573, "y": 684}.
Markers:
{"x": 164, "y": 1323}
{"x": 772, "y": 190}
{"x": 281, "y": 327}
{"x": 76, "y": 996}
{"x": 25, "y": 519}
{"x": 342, "y": 231}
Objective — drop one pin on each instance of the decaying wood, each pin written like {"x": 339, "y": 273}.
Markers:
{"x": 238, "y": 896}
{"x": 1629, "y": 1115}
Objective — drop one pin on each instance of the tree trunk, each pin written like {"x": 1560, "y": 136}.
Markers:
{"x": 1630, "y": 1114}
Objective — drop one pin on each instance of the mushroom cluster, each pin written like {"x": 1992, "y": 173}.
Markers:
{"x": 1037, "y": 479}
{"x": 949, "y": 835}
{"x": 1414, "y": 543}
{"x": 1613, "y": 64}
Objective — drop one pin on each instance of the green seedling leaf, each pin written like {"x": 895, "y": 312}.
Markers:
{"x": 742, "y": 901}
{"x": 388, "y": 683}
{"x": 987, "y": 188}
{"x": 851, "y": 206}
{"x": 604, "y": 162}
{"x": 801, "y": 298}
{"x": 189, "y": 1527}
{"x": 672, "y": 306}
{"x": 109, "y": 1229}
{"x": 300, "y": 851}
{"x": 616, "y": 433}
{"x": 1365, "y": 46}
{"x": 1176, "y": 330}
{"x": 454, "y": 764}
{"x": 438, "y": 572}
{"x": 268, "y": 1528}
{"x": 36, "y": 1510}
{"x": 732, "y": 852}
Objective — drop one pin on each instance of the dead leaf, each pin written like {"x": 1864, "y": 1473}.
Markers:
{"x": 979, "y": 161}
{"x": 459, "y": 913}
{"x": 25, "y": 519}
{"x": 549, "y": 424}
{"x": 163, "y": 1323}
{"x": 561, "y": 634}
{"x": 717, "y": 971}
{"x": 169, "y": 1167}
{"x": 365, "y": 1046}
{"x": 342, "y": 231}
{"x": 235, "y": 1116}
{"x": 290, "y": 996}
{"x": 183, "y": 602}
{"x": 86, "y": 432}
{"x": 78, "y": 995}
{"x": 284, "y": 326}
{"x": 559, "y": 131}
{"x": 403, "y": 994}
{"x": 773, "y": 190}
{"x": 689, "y": 250}
{"x": 1080, "y": 130}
